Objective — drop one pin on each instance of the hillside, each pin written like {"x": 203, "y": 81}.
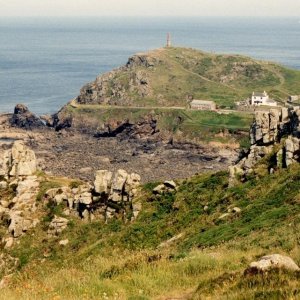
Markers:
{"x": 158, "y": 85}
{"x": 169, "y": 76}
{"x": 206, "y": 258}
{"x": 190, "y": 239}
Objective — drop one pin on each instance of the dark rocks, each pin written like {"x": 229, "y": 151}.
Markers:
{"x": 23, "y": 118}
{"x": 48, "y": 119}
{"x": 141, "y": 60}
{"x": 61, "y": 121}
{"x": 144, "y": 128}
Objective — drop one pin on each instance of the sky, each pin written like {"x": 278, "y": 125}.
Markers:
{"x": 150, "y": 8}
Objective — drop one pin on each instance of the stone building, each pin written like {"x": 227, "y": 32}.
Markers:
{"x": 203, "y": 105}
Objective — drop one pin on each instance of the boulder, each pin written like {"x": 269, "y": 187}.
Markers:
{"x": 132, "y": 184}
{"x": 103, "y": 180}
{"x": 112, "y": 195}
{"x": 292, "y": 146}
{"x": 3, "y": 185}
{"x": 86, "y": 198}
{"x": 266, "y": 132}
{"x": 64, "y": 242}
{"x": 57, "y": 226}
{"x": 118, "y": 185}
{"x": 8, "y": 264}
{"x": 19, "y": 161}
{"x": 23, "y": 118}
{"x": 158, "y": 190}
{"x": 166, "y": 187}
{"x": 18, "y": 224}
{"x": 270, "y": 262}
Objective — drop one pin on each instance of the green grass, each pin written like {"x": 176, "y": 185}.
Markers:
{"x": 207, "y": 261}
{"x": 199, "y": 125}
{"x": 181, "y": 72}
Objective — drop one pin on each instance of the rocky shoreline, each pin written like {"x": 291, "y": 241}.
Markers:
{"x": 74, "y": 154}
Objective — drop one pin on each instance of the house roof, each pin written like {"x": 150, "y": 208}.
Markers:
{"x": 257, "y": 94}
{"x": 199, "y": 102}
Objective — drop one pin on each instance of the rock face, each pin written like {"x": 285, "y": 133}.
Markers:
{"x": 270, "y": 262}
{"x": 112, "y": 195}
{"x": 17, "y": 168}
{"x": 23, "y": 118}
{"x": 111, "y": 89}
{"x": 272, "y": 131}
{"x": 145, "y": 128}
{"x": 18, "y": 161}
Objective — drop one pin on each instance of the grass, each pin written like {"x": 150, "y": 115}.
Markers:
{"x": 181, "y": 72}
{"x": 123, "y": 261}
{"x": 199, "y": 126}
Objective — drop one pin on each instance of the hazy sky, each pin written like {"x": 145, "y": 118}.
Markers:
{"x": 149, "y": 7}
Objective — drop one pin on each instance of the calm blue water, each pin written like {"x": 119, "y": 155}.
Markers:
{"x": 45, "y": 62}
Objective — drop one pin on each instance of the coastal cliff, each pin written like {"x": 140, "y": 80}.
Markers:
{"x": 172, "y": 76}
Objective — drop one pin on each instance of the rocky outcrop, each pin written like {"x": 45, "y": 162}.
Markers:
{"x": 17, "y": 169}
{"x": 166, "y": 187}
{"x": 271, "y": 262}
{"x": 144, "y": 128}
{"x": 118, "y": 86}
{"x": 275, "y": 132}
{"x": 23, "y": 118}
{"x": 18, "y": 161}
{"x": 57, "y": 226}
{"x": 8, "y": 264}
{"x": 112, "y": 195}
{"x": 61, "y": 120}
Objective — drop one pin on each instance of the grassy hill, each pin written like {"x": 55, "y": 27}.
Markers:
{"x": 168, "y": 76}
{"x": 205, "y": 259}
{"x": 161, "y": 82}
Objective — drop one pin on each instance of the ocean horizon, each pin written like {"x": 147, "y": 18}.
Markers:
{"x": 45, "y": 61}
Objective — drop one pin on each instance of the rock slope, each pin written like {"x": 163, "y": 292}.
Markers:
{"x": 112, "y": 195}
{"x": 276, "y": 133}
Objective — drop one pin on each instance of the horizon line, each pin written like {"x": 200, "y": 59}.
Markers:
{"x": 151, "y": 16}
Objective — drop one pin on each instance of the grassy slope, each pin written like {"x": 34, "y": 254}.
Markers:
{"x": 179, "y": 72}
{"x": 117, "y": 261}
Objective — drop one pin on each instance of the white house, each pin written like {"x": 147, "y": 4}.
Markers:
{"x": 259, "y": 99}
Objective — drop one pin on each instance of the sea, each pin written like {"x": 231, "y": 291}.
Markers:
{"x": 45, "y": 61}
